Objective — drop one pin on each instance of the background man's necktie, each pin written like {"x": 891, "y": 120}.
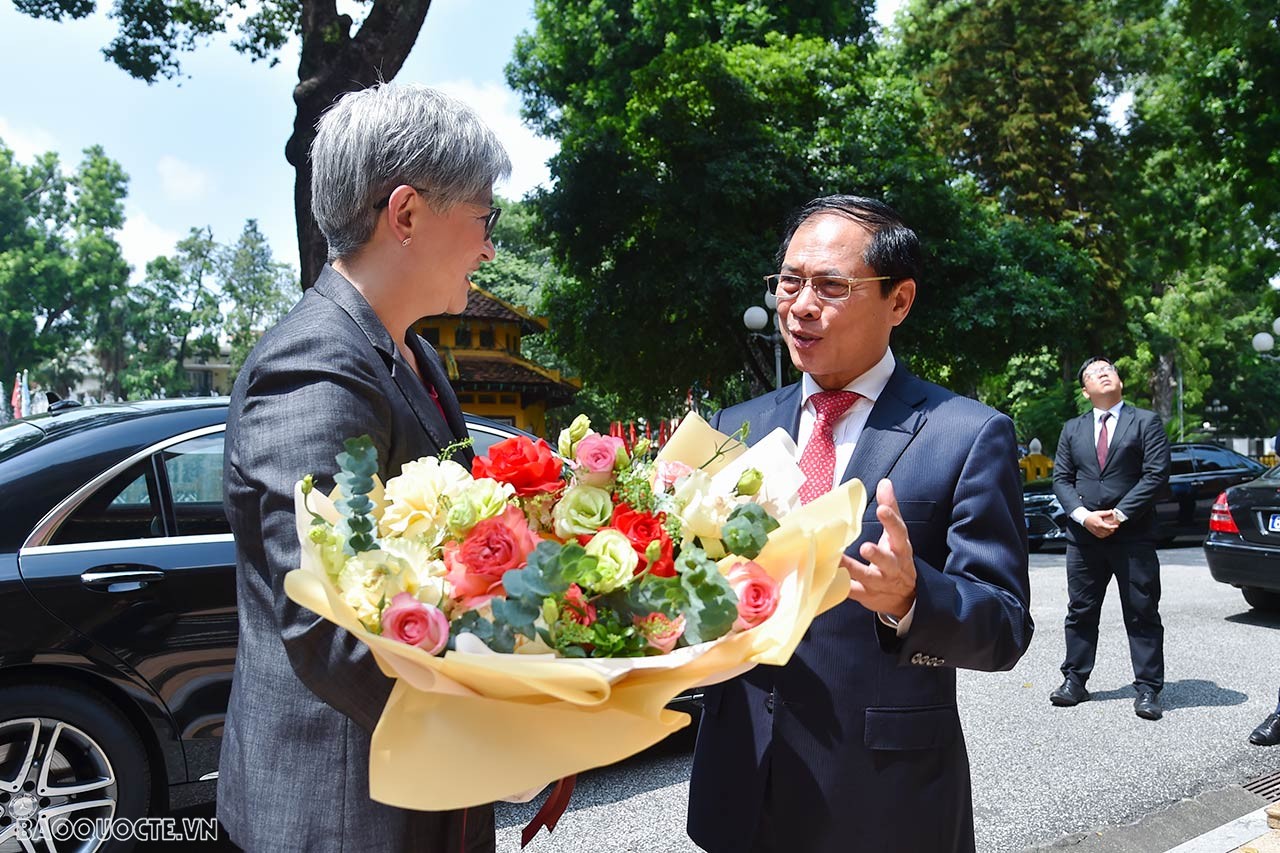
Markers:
{"x": 818, "y": 461}
{"x": 1102, "y": 442}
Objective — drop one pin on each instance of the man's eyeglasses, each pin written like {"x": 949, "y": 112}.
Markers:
{"x": 1100, "y": 370}
{"x": 490, "y": 218}
{"x": 830, "y": 288}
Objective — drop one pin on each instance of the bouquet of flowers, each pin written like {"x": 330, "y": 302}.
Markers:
{"x": 539, "y": 610}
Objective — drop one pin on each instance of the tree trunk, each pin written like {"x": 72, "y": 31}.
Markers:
{"x": 1164, "y": 385}
{"x": 332, "y": 64}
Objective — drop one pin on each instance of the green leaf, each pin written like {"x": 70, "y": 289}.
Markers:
{"x": 357, "y": 466}
{"x": 747, "y": 530}
{"x": 711, "y": 605}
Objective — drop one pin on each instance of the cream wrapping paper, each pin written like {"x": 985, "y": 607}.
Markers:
{"x": 476, "y": 727}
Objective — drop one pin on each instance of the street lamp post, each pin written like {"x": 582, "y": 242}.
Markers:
{"x": 755, "y": 319}
{"x": 1265, "y": 342}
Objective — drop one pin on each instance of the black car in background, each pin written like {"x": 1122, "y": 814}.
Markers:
{"x": 117, "y": 610}
{"x": 1198, "y": 473}
{"x": 1046, "y": 520}
{"x": 1243, "y": 546}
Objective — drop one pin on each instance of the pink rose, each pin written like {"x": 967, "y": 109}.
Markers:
{"x": 757, "y": 594}
{"x": 576, "y": 606}
{"x": 493, "y": 547}
{"x": 660, "y": 631}
{"x": 413, "y": 623}
{"x": 669, "y": 473}
{"x": 596, "y": 457}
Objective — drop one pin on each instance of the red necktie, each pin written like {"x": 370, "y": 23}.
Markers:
{"x": 1102, "y": 442}
{"x": 818, "y": 461}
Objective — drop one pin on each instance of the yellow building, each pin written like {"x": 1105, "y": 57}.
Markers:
{"x": 481, "y": 352}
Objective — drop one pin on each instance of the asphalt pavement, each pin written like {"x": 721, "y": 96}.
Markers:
{"x": 1094, "y": 777}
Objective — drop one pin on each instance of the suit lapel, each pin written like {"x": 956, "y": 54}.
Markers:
{"x": 335, "y": 286}
{"x": 1085, "y": 439}
{"x": 434, "y": 373}
{"x": 893, "y": 423}
{"x": 1123, "y": 424}
{"x": 784, "y": 413}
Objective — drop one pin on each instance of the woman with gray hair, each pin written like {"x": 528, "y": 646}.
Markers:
{"x": 402, "y": 189}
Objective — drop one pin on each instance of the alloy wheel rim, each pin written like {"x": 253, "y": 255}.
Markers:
{"x": 56, "y": 782}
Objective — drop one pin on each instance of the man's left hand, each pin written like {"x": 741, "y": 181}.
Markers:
{"x": 886, "y": 583}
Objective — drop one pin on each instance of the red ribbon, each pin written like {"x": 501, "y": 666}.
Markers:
{"x": 552, "y": 809}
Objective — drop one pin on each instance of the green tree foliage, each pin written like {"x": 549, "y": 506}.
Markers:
{"x": 256, "y": 291}
{"x": 333, "y": 59}
{"x": 60, "y": 264}
{"x": 689, "y": 131}
{"x": 174, "y": 315}
{"x": 1199, "y": 205}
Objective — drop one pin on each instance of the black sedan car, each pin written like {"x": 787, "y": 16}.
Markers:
{"x": 1243, "y": 547}
{"x": 117, "y": 611}
{"x": 1197, "y": 474}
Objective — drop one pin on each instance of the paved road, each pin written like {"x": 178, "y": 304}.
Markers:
{"x": 1039, "y": 773}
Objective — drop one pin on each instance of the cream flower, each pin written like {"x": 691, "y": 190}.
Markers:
{"x": 416, "y": 504}
{"x": 422, "y": 577}
{"x": 368, "y": 581}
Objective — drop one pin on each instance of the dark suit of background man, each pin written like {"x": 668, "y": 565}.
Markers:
{"x": 1111, "y": 463}
{"x": 856, "y": 744}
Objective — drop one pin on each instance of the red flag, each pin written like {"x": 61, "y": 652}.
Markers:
{"x": 15, "y": 402}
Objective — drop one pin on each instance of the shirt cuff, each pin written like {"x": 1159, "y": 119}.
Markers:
{"x": 1120, "y": 516}
{"x": 1079, "y": 514}
{"x": 901, "y": 626}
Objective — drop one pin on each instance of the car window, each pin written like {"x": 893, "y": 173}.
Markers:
{"x": 1214, "y": 459}
{"x": 482, "y": 439}
{"x": 126, "y": 507}
{"x": 1180, "y": 463}
{"x": 194, "y": 472}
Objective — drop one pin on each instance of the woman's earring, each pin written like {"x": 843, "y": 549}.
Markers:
{"x": 405, "y": 242}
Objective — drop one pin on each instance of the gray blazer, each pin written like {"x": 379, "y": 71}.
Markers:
{"x": 306, "y": 695}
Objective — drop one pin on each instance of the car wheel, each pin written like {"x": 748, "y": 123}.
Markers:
{"x": 67, "y": 760}
{"x": 1262, "y": 599}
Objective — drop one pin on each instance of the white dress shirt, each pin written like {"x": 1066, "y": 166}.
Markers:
{"x": 1079, "y": 514}
{"x": 846, "y": 431}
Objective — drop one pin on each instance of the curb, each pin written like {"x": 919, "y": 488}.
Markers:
{"x": 1248, "y": 829}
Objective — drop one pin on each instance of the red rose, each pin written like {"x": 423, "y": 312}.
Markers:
{"x": 531, "y": 468}
{"x": 641, "y": 529}
{"x": 494, "y": 546}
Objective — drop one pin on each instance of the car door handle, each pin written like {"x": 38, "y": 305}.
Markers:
{"x": 125, "y": 578}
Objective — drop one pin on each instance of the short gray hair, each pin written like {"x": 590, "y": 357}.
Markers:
{"x": 373, "y": 140}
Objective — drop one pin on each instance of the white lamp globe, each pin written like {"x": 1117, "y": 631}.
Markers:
{"x": 756, "y": 318}
{"x": 1263, "y": 342}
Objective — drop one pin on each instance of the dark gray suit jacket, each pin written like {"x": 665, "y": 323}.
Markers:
{"x": 859, "y": 732}
{"x": 1137, "y": 470}
{"x": 306, "y": 695}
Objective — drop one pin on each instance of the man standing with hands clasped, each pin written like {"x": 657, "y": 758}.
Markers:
{"x": 1111, "y": 463}
{"x": 855, "y": 744}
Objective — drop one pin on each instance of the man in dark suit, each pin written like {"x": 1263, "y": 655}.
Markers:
{"x": 402, "y": 186}
{"x": 856, "y": 743}
{"x": 1111, "y": 463}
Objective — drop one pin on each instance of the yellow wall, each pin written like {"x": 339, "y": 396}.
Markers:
{"x": 499, "y": 405}
{"x": 531, "y": 418}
